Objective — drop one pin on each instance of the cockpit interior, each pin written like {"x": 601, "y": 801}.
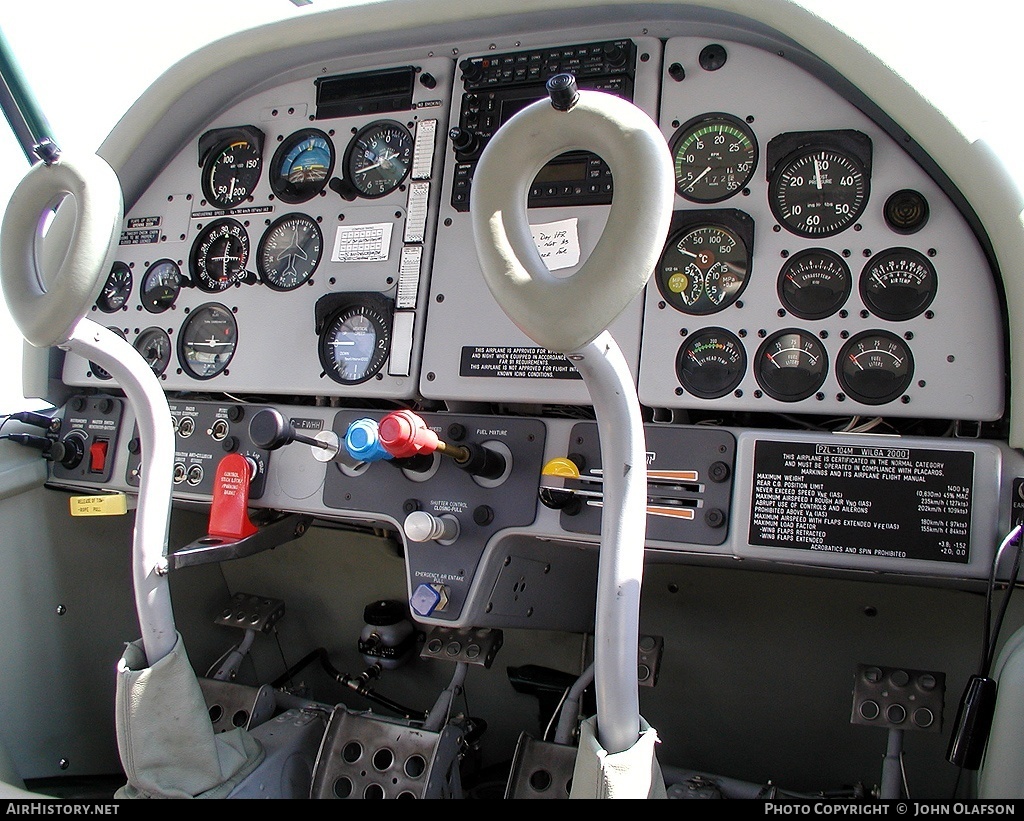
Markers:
{"x": 562, "y": 399}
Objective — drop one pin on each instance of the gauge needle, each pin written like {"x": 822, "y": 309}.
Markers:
{"x": 698, "y": 178}
{"x": 817, "y": 174}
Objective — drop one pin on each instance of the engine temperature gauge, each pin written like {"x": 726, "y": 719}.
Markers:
{"x": 703, "y": 269}
{"x": 814, "y": 284}
{"x": 875, "y": 367}
{"x": 711, "y": 363}
{"x": 791, "y": 365}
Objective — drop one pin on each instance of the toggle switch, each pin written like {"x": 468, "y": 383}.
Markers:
{"x": 98, "y": 456}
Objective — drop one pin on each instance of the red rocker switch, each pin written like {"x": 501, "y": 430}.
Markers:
{"x": 229, "y": 514}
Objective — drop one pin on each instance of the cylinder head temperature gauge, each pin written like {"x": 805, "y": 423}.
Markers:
{"x": 791, "y": 365}
{"x": 875, "y": 367}
{"x": 711, "y": 363}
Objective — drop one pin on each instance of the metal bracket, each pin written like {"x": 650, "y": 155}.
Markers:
{"x": 471, "y": 645}
{"x": 210, "y": 549}
{"x": 251, "y": 612}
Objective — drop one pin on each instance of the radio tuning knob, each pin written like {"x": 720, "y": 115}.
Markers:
{"x": 463, "y": 140}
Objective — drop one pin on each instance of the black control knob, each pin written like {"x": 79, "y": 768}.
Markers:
{"x": 471, "y": 72}
{"x": 563, "y": 91}
{"x": 428, "y": 80}
{"x": 74, "y": 451}
{"x": 614, "y": 54}
{"x": 269, "y": 430}
{"x": 463, "y": 140}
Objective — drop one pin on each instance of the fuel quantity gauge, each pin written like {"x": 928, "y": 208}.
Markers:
{"x": 875, "y": 367}
{"x": 711, "y": 363}
{"x": 791, "y": 365}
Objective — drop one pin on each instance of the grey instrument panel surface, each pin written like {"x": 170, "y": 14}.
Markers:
{"x": 957, "y": 348}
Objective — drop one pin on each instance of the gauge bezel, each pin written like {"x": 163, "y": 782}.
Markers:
{"x": 102, "y": 373}
{"x": 266, "y": 276}
{"x": 771, "y": 390}
{"x": 197, "y": 260}
{"x": 882, "y": 256}
{"x": 102, "y": 302}
{"x": 787, "y": 150}
{"x": 219, "y": 143}
{"x": 295, "y": 193}
{"x": 153, "y": 330}
{"x": 183, "y": 333}
{"x": 333, "y": 308}
{"x": 689, "y": 128}
{"x": 845, "y": 352}
{"x": 736, "y": 224}
{"x": 152, "y": 305}
{"x": 708, "y": 334}
{"x": 798, "y": 258}
{"x": 350, "y": 153}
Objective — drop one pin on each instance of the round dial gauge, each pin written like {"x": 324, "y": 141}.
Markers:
{"x": 814, "y": 284}
{"x": 875, "y": 367}
{"x": 207, "y": 341}
{"x": 354, "y": 344}
{"x": 289, "y": 252}
{"x": 302, "y": 165}
{"x": 160, "y": 286}
{"x": 898, "y": 284}
{"x": 703, "y": 269}
{"x": 711, "y": 363}
{"x": 116, "y": 289}
{"x": 97, "y": 371}
{"x": 231, "y": 171}
{"x": 791, "y": 365}
{"x": 219, "y": 255}
{"x": 818, "y": 191}
{"x": 378, "y": 158}
{"x": 714, "y": 156}
{"x": 155, "y": 347}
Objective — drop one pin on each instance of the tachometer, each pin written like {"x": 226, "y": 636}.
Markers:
{"x": 378, "y": 158}
{"x": 714, "y": 156}
{"x": 875, "y": 367}
{"x": 302, "y": 165}
{"x": 898, "y": 284}
{"x": 207, "y": 341}
{"x": 219, "y": 255}
{"x": 289, "y": 252}
{"x": 116, "y": 289}
{"x": 791, "y": 365}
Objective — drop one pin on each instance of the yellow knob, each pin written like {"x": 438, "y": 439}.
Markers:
{"x": 560, "y": 466}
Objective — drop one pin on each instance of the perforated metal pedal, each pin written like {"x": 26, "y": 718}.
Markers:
{"x": 541, "y": 769}
{"x": 897, "y": 698}
{"x": 236, "y": 705}
{"x": 251, "y": 612}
